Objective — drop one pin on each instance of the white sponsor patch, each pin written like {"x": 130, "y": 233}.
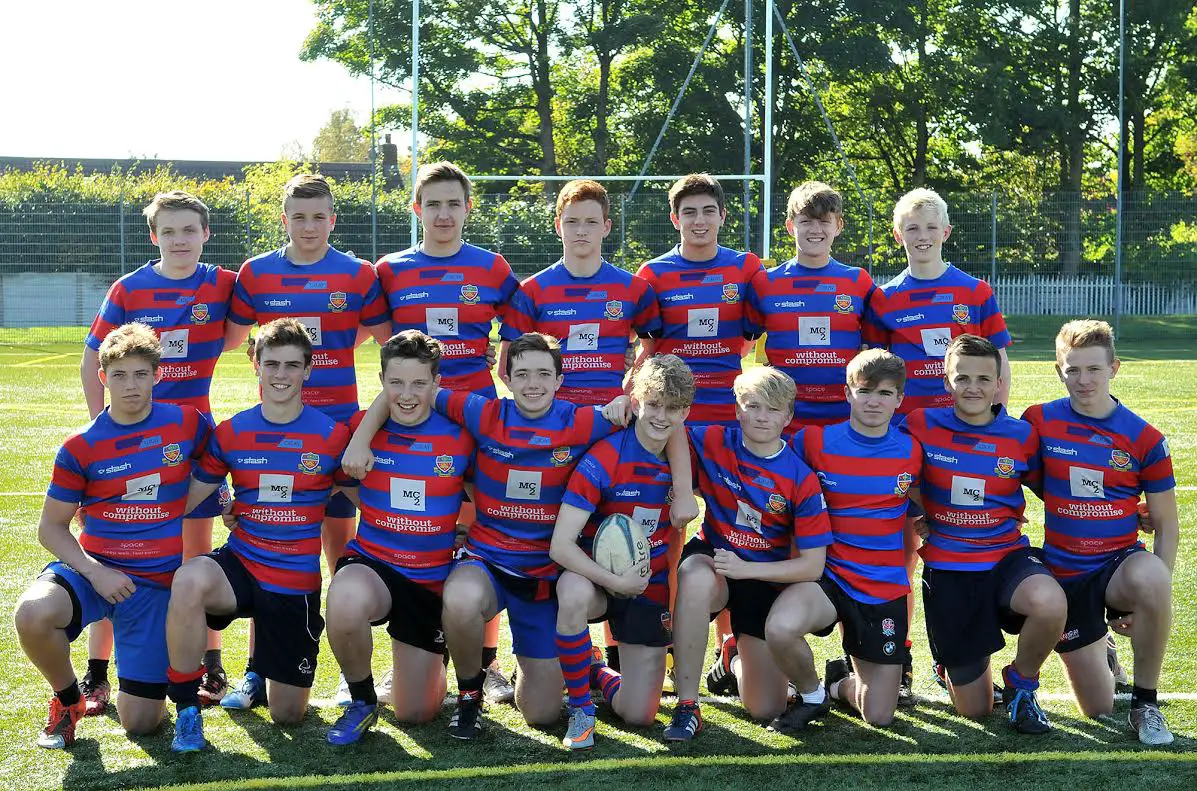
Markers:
{"x": 968, "y": 492}
{"x": 523, "y": 485}
{"x": 936, "y": 340}
{"x": 647, "y": 518}
{"x": 174, "y": 344}
{"x": 312, "y": 325}
{"x": 702, "y": 323}
{"x": 275, "y": 488}
{"x": 442, "y": 322}
{"x": 747, "y": 516}
{"x": 814, "y": 330}
{"x": 1086, "y": 483}
{"x": 407, "y": 495}
{"x": 582, "y": 337}
{"x": 142, "y": 488}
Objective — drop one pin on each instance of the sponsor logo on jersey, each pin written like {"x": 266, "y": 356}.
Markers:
{"x": 199, "y": 313}
{"x": 309, "y": 463}
{"x": 1005, "y": 467}
{"x": 150, "y": 442}
{"x": 561, "y": 456}
{"x": 1120, "y": 459}
{"x": 337, "y": 301}
{"x": 172, "y": 454}
{"x": 777, "y": 503}
{"x": 731, "y": 293}
{"x": 902, "y": 483}
{"x": 960, "y": 314}
{"x": 444, "y": 465}
{"x": 469, "y": 294}
{"x": 614, "y": 309}
{"x": 843, "y": 303}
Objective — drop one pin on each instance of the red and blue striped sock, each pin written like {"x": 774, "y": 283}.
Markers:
{"x": 608, "y": 680}
{"x": 574, "y": 652}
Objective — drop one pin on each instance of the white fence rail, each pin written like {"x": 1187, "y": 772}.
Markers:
{"x": 1061, "y": 296}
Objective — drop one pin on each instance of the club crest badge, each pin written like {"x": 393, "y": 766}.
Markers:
{"x": 469, "y": 294}
{"x": 1005, "y": 467}
{"x": 777, "y": 503}
{"x": 309, "y": 463}
{"x": 843, "y": 303}
{"x": 444, "y": 465}
{"x": 561, "y": 456}
{"x": 337, "y": 301}
{"x": 1120, "y": 459}
{"x": 960, "y": 314}
{"x": 902, "y": 484}
{"x": 172, "y": 454}
{"x": 731, "y": 293}
{"x": 199, "y": 313}
{"x": 614, "y": 309}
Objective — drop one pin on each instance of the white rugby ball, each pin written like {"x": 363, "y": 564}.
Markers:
{"x": 620, "y": 544}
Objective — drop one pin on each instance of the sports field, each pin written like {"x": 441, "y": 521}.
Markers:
{"x": 40, "y": 402}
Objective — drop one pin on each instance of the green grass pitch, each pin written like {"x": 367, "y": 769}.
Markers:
{"x": 40, "y": 402}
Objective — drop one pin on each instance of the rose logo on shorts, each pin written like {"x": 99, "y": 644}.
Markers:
{"x": 1005, "y": 466}
{"x": 172, "y": 454}
{"x": 444, "y": 465}
{"x": 199, "y": 313}
{"x": 561, "y": 456}
{"x": 903, "y": 482}
{"x": 843, "y": 303}
{"x": 667, "y": 621}
{"x": 731, "y": 293}
{"x": 960, "y": 314}
{"x": 309, "y": 463}
{"x": 469, "y": 294}
{"x": 1120, "y": 459}
{"x": 777, "y": 503}
{"x": 887, "y": 627}
{"x": 615, "y": 309}
{"x": 337, "y": 301}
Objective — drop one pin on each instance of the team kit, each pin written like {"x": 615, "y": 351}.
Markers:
{"x": 875, "y": 436}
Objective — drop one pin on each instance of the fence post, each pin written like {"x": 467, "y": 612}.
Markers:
{"x": 623, "y": 214}
{"x": 121, "y": 220}
{"x": 499, "y": 224}
{"x": 993, "y": 236}
{"x": 249, "y": 239}
{"x": 870, "y": 236}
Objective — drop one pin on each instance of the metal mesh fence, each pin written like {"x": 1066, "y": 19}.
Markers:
{"x": 1051, "y": 256}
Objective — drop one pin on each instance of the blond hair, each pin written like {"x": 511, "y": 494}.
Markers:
{"x": 667, "y": 377}
{"x": 1082, "y": 334}
{"x": 131, "y": 340}
{"x": 772, "y": 386}
{"x": 916, "y": 199}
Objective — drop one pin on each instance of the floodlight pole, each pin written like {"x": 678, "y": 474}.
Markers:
{"x": 1118, "y": 185}
{"x": 415, "y": 108}
{"x": 767, "y": 209}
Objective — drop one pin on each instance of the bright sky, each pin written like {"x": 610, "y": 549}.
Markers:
{"x": 196, "y": 79}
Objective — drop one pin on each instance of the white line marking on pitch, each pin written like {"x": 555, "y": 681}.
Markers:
{"x": 37, "y": 360}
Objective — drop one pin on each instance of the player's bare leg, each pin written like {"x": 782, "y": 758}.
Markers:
{"x": 872, "y": 690}
{"x": 1041, "y": 600}
{"x": 42, "y": 615}
{"x": 1142, "y": 586}
{"x": 700, "y": 593}
{"x": 197, "y": 540}
{"x": 357, "y": 597}
{"x": 641, "y": 677}
{"x": 538, "y": 690}
{"x": 973, "y": 699}
{"x": 335, "y": 533}
{"x": 763, "y": 686}
{"x": 798, "y": 611}
{"x": 469, "y": 602}
{"x": 419, "y": 683}
{"x": 199, "y": 587}
{"x": 288, "y": 703}
{"x": 139, "y": 715}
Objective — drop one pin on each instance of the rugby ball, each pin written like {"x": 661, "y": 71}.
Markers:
{"x": 620, "y": 544}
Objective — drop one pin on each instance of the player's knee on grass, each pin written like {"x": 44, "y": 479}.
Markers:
{"x": 288, "y": 704}
{"x": 1089, "y": 674}
{"x": 140, "y": 715}
{"x": 538, "y": 690}
{"x": 975, "y": 698}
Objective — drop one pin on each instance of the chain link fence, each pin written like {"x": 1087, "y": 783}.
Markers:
{"x": 1049, "y": 257}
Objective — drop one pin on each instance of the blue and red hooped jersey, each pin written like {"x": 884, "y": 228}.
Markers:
{"x": 521, "y": 473}
{"x": 917, "y": 319}
{"x": 282, "y": 479}
{"x": 972, "y": 486}
{"x": 411, "y": 497}
{"x": 702, "y": 317}
{"x": 866, "y": 482}
{"x": 188, "y": 316}
{"x": 131, "y": 482}
{"x": 619, "y": 476}
{"x": 331, "y": 298}
{"x": 454, "y": 299}
{"x": 1094, "y": 470}
{"x": 593, "y": 317}
{"x": 814, "y": 319}
{"x": 760, "y": 508}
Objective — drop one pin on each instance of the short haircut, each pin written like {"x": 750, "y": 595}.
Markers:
{"x": 1083, "y": 333}
{"x": 308, "y": 185}
{"x": 667, "y": 377}
{"x": 412, "y": 345}
{"x": 921, "y": 198}
{"x": 774, "y": 387}
{"x": 284, "y": 332}
{"x": 534, "y": 342}
{"x": 695, "y": 184}
{"x": 131, "y": 340}
{"x": 816, "y": 200}
{"x": 174, "y": 201}
{"x": 972, "y": 346}
{"x": 580, "y": 190}
{"x": 441, "y": 171}
{"x": 873, "y": 366}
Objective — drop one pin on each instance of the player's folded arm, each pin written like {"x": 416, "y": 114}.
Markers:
{"x": 1166, "y": 523}
{"x": 564, "y": 549}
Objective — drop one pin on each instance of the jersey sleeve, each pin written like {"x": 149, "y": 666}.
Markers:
{"x": 1155, "y": 474}
{"x": 110, "y": 316}
{"x": 466, "y": 409}
{"x": 754, "y": 312}
{"x": 1033, "y": 479}
{"x": 647, "y": 321}
{"x": 520, "y": 316}
{"x": 812, "y": 526}
{"x": 586, "y": 484}
{"x": 752, "y": 265}
{"x": 508, "y": 283}
{"x": 873, "y": 331}
{"x": 213, "y": 466}
{"x": 993, "y": 324}
{"x": 203, "y": 430}
{"x": 241, "y": 306}
{"x": 67, "y": 479}
{"x": 374, "y": 302}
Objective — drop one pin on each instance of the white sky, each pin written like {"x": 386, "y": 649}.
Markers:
{"x": 172, "y": 79}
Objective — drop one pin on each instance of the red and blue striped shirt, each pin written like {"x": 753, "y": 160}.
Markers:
{"x": 411, "y": 497}
{"x": 866, "y": 482}
{"x": 1094, "y": 470}
{"x": 593, "y": 317}
{"x": 131, "y": 482}
{"x": 188, "y": 316}
{"x": 454, "y": 299}
{"x": 282, "y": 479}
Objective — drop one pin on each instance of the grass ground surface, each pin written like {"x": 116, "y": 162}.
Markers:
{"x": 40, "y": 402}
